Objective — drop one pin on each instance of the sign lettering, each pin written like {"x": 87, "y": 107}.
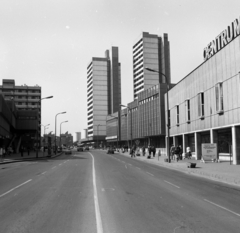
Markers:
{"x": 225, "y": 37}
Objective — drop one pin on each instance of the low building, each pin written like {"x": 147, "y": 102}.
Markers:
{"x": 205, "y": 105}
{"x": 18, "y": 128}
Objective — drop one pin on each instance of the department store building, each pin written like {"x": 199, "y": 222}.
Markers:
{"x": 205, "y": 105}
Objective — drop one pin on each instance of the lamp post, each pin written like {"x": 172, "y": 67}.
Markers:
{"x": 117, "y": 128}
{"x": 56, "y": 131}
{"x": 131, "y": 120}
{"x": 60, "y": 131}
{"x": 167, "y": 120}
{"x": 97, "y": 133}
{"x": 48, "y": 97}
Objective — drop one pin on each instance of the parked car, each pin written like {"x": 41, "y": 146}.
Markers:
{"x": 86, "y": 148}
{"x": 68, "y": 152}
{"x": 80, "y": 149}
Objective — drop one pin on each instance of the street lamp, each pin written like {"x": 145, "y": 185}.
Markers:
{"x": 167, "y": 121}
{"x": 48, "y": 97}
{"x": 131, "y": 119}
{"x": 56, "y": 131}
{"x": 97, "y": 133}
{"x": 117, "y": 128}
{"x": 60, "y": 131}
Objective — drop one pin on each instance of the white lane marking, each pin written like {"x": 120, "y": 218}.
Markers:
{"x": 43, "y": 173}
{"x": 123, "y": 161}
{"x": 15, "y": 188}
{"x": 150, "y": 174}
{"x": 138, "y": 168}
{"x": 97, "y": 209}
{"x": 172, "y": 184}
{"x": 126, "y": 166}
{"x": 53, "y": 167}
{"x": 222, "y": 207}
{"x": 60, "y": 164}
{"x": 130, "y": 164}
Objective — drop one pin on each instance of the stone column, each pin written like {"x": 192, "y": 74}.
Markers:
{"x": 235, "y": 146}
{"x": 197, "y": 138}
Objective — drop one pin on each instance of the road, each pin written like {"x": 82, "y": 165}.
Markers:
{"x": 93, "y": 192}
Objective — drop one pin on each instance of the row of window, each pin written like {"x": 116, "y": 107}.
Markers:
{"x": 148, "y": 99}
{"x": 200, "y": 104}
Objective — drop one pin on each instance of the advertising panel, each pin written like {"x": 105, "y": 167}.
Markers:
{"x": 209, "y": 152}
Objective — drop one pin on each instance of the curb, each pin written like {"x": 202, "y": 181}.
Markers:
{"x": 215, "y": 177}
{"x": 29, "y": 159}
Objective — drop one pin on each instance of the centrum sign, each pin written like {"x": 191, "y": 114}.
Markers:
{"x": 209, "y": 151}
{"x": 224, "y": 38}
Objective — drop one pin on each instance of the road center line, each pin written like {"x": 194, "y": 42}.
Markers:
{"x": 222, "y": 207}
{"x": 15, "y": 188}
{"x": 97, "y": 209}
{"x": 53, "y": 167}
{"x": 172, "y": 184}
{"x": 138, "y": 168}
{"x": 43, "y": 173}
{"x": 130, "y": 164}
{"x": 150, "y": 174}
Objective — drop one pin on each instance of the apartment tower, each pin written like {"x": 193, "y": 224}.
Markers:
{"x": 150, "y": 51}
{"x": 103, "y": 92}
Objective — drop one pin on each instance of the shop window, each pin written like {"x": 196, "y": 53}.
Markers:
{"x": 188, "y": 117}
{"x": 201, "y": 105}
{"x": 219, "y": 97}
{"x": 177, "y": 115}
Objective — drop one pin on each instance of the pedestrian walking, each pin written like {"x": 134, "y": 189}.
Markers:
{"x": 4, "y": 152}
{"x": 1, "y": 153}
{"x": 143, "y": 150}
{"x": 153, "y": 150}
{"x": 189, "y": 153}
{"x": 21, "y": 151}
{"x": 172, "y": 151}
{"x": 180, "y": 152}
{"x": 177, "y": 151}
{"x": 149, "y": 151}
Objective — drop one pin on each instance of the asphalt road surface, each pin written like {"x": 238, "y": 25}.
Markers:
{"x": 93, "y": 192}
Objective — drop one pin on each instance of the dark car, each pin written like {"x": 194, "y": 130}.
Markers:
{"x": 86, "y": 148}
{"x": 68, "y": 152}
{"x": 80, "y": 149}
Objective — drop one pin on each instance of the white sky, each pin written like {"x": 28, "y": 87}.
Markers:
{"x": 51, "y": 42}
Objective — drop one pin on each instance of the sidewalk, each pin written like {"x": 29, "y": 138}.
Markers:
{"x": 32, "y": 156}
{"x": 222, "y": 172}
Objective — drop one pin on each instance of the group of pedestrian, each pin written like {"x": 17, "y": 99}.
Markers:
{"x": 176, "y": 153}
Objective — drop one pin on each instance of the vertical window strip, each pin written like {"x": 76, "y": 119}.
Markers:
{"x": 219, "y": 97}
{"x": 177, "y": 109}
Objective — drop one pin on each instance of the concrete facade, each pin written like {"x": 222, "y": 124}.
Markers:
{"x": 103, "y": 93}
{"x": 205, "y": 105}
{"x": 150, "y": 51}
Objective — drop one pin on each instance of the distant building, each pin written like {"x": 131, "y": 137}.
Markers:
{"x": 103, "y": 92}
{"x": 25, "y": 98}
{"x": 17, "y": 127}
{"x": 150, "y": 51}
{"x": 66, "y": 139}
{"x": 78, "y": 137}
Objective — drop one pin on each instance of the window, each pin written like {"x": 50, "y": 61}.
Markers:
{"x": 187, "y": 104}
{"x": 219, "y": 97}
{"x": 177, "y": 111}
{"x": 201, "y": 105}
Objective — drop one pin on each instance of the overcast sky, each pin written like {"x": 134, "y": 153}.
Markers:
{"x": 51, "y": 42}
